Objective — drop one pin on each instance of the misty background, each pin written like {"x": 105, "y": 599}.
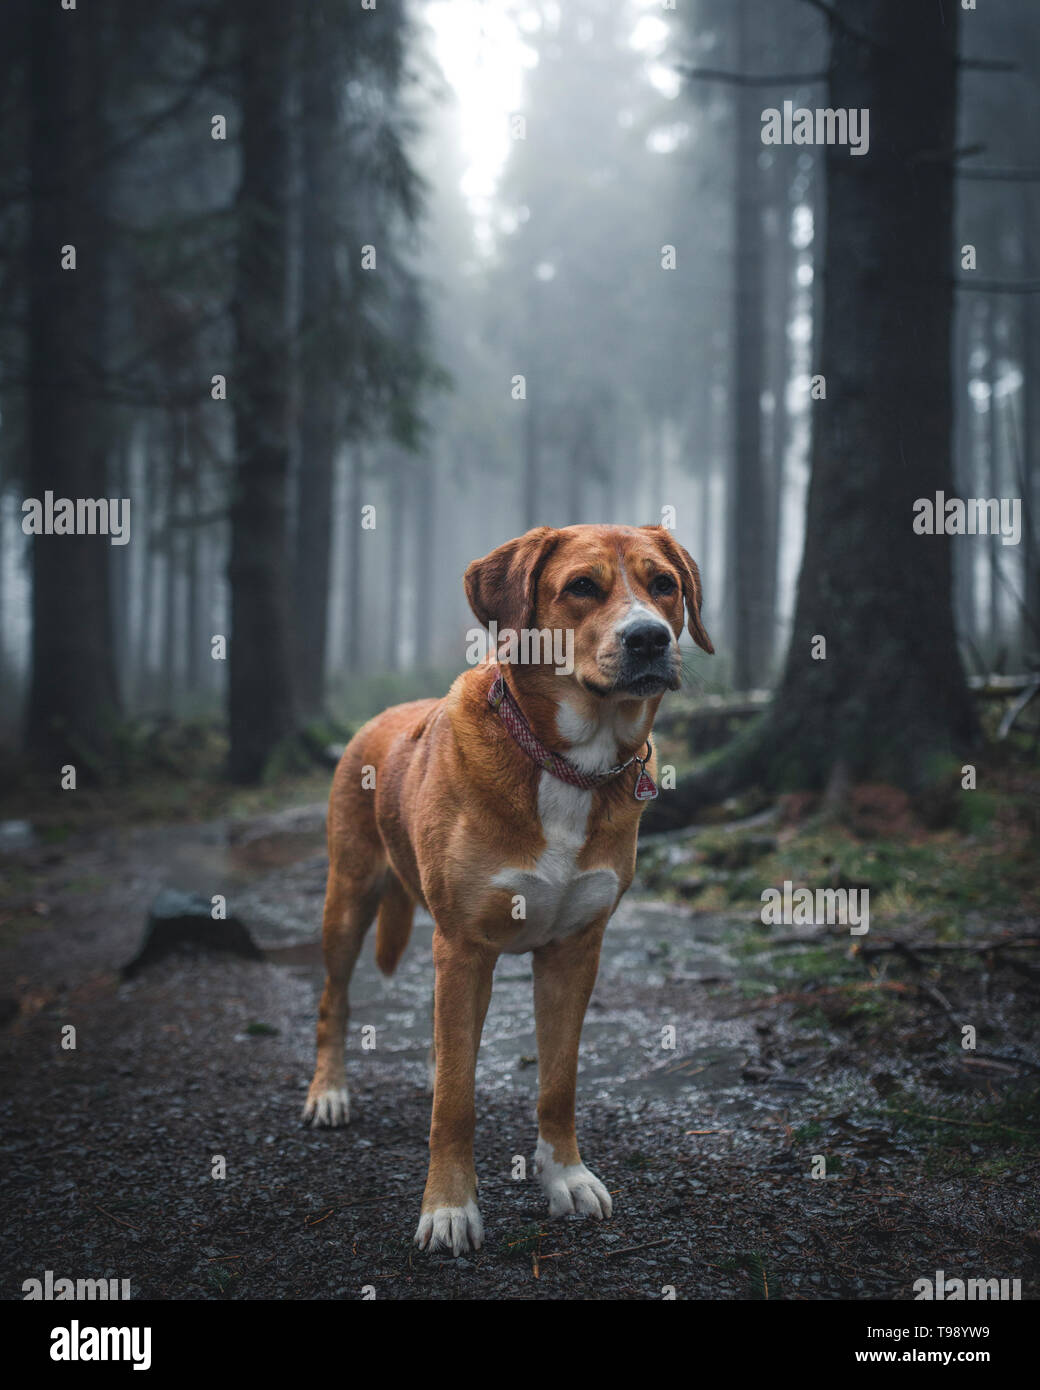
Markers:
{"x": 405, "y": 210}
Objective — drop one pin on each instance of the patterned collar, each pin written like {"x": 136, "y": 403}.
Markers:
{"x": 505, "y": 706}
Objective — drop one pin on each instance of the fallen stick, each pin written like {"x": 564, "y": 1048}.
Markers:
{"x": 630, "y": 1249}
{"x": 1001, "y": 1057}
{"x": 119, "y": 1219}
{"x": 807, "y": 996}
{"x": 912, "y": 948}
{"x": 974, "y": 1124}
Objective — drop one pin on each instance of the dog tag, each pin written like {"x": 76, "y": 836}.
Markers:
{"x": 646, "y": 787}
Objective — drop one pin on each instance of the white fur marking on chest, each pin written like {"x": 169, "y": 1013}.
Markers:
{"x": 559, "y": 898}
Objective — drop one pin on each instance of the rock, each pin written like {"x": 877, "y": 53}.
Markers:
{"x": 740, "y": 852}
{"x": 278, "y": 839}
{"x": 15, "y": 835}
{"x": 179, "y": 920}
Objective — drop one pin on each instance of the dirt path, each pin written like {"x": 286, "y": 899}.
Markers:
{"x": 109, "y": 1149}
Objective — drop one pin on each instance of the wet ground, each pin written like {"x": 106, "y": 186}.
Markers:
{"x": 708, "y": 1136}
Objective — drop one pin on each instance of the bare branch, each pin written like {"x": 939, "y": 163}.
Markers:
{"x": 740, "y": 79}
{"x": 988, "y": 65}
{"x": 999, "y": 286}
{"x": 1001, "y": 175}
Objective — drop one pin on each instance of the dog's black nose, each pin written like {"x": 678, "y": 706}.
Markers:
{"x": 646, "y": 639}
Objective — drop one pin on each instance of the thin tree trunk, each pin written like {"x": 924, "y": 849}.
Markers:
{"x": 395, "y": 561}
{"x": 963, "y": 445}
{"x": 193, "y": 638}
{"x": 425, "y": 521}
{"x": 993, "y": 489}
{"x": 353, "y": 567}
{"x": 1031, "y": 427}
{"x": 171, "y": 550}
{"x": 746, "y": 551}
{"x": 317, "y": 385}
{"x": 533, "y": 509}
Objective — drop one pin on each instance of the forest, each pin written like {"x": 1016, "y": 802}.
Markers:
{"x": 298, "y": 360}
{"x": 306, "y": 306}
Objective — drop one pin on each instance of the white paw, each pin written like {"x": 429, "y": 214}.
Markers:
{"x": 329, "y": 1108}
{"x": 570, "y": 1187}
{"x": 458, "y": 1229}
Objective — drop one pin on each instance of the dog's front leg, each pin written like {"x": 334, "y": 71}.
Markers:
{"x": 450, "y": 1217}
{"x": 564, "y": 974}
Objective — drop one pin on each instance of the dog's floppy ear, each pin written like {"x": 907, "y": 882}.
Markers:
{"x": 691, "y": 585}
{"x": 502, "y": 587}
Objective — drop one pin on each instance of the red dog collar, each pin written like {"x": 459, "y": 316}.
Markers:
{"x": 504, "y": 705}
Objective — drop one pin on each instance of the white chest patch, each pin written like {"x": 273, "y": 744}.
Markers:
{"x": 559, "y": 898}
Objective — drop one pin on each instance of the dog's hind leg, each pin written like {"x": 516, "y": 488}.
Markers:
{"x": 351, "y": 900}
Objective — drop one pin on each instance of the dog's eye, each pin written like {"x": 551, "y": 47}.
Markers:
{"x": 582, "y": 588}
{"x": 663, "y": 584}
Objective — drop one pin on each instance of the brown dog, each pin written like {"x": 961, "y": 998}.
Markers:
{"x": 510, "y": 810}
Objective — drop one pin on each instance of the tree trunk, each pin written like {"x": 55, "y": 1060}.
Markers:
{"x": 994, "y": 644}
{"x": 261, "y": 708}
{"x": 318, "y": 382}
{"x": 395, "y": 580}
{"x": 748, "y": 580}
{"x": 781, "y": 272}
{"x": 890, "y": 696}
{"x": 172, "y": 636}
{"x": 533, "y": 509}
{"x": 193, "y": 636}
{"x": 353, "y": 567}
{"x": 1030, "y": 466}
{"x": 964, "y": 466}
{"x": 425, "y": 566}
{"x": 73, "y": 692}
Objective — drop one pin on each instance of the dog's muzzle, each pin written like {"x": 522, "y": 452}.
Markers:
{"x": 649, "y": 662}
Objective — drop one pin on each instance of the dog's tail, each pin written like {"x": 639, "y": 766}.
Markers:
{"x": 394, "y": 924}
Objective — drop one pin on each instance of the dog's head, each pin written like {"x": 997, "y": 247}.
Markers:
{"x": 617, "y": 591}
